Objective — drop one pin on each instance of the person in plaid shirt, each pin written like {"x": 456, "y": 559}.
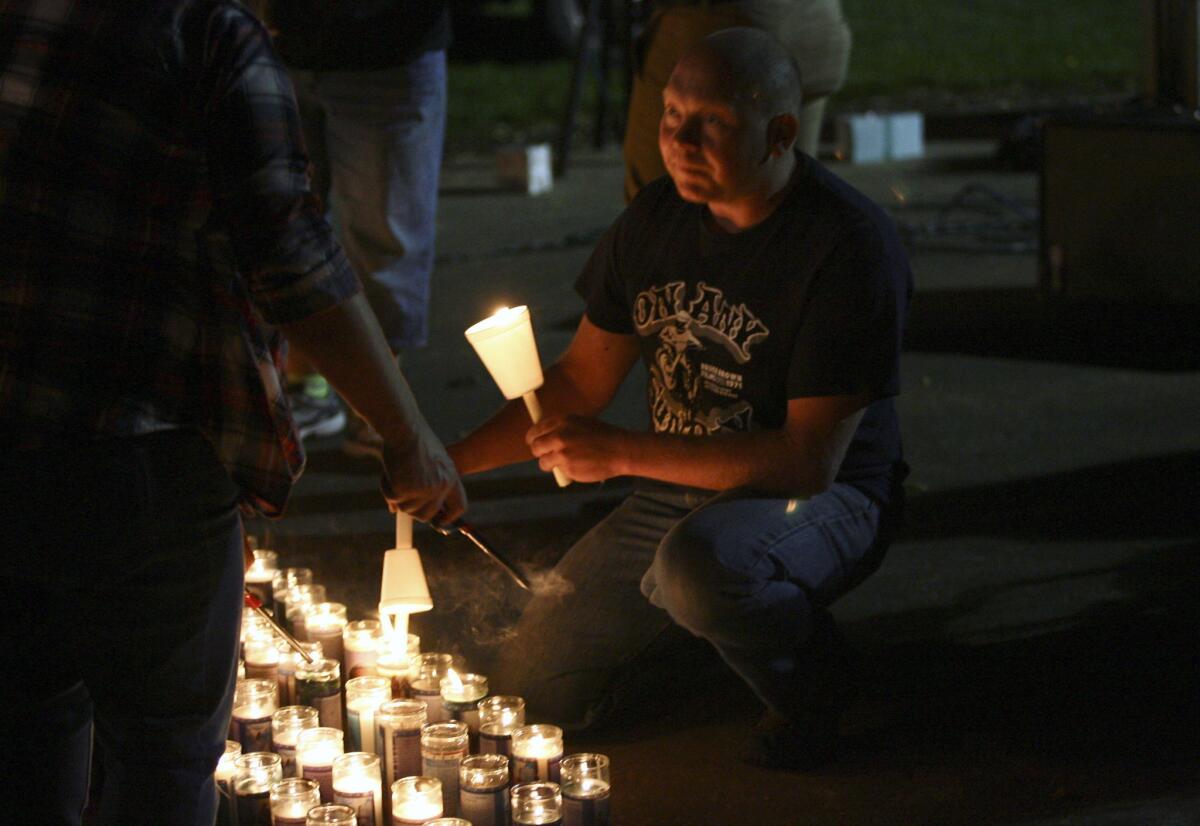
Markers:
{"x": 158, "y": 241}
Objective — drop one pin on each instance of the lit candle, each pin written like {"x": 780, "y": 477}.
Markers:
{"x": 333, "y": 814}
{"x": 361, "y": 641}
{"x": 254, "y": 627}
{"x": 364, "y": 696}
{"x": 324, "y": 623}
{"x": 286, "y": 725}
{"x": 262, "y": 658}
{"x": 254, "y": 775}
{"x": 416, "y": 800}
{"x": 253, "y": 705}
{"x": 260, "y": 575}
{"x": 398, "y": 726}
{"x": 536, "y": 804}
{"x": 316, "y": 749}
{"x": 289, "y": 660}
{"x": 285, "y": 579}
{"x": 586, "y": 787}
{"x": 443, "y": 746}
{"x": 291, "y": 800}
{"x": 461, "y": 695}
{"x": 319, "y": 684}
{"x": 226, "y": 807}
{"x": 499, "y": 716}
{"x": 448, "y": 821}
{"x": 298, "y": 600}
{"x": 357, "y": 783}
{"x": 395, "y": 659}
{"x": 536, "y": 753}
{"x": 425, "y": 682}
{"x": 483, "y": 790}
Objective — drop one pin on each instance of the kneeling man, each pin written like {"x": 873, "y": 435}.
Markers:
{"x": 767, "y": 299}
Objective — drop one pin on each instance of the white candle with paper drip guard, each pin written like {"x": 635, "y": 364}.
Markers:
{"x": 284, "y": 580}
{"x": 499, "y": 716}
{"x": 286, "y": 725}
{"x": 443, "y": 747}
{"x": 398, "y": 725}
{"x": 319, "y": 684}
{"x": 536, "y": 804}
{"x": 324, "y": 623}
{"x": 253, "y": 704}
{"x": 289, "y": 661}
{"x": 361, "y": 641}
{"x": 586, "y": 787}
{"x": 461, "y": 695}
{"x": 364, "y": 696}
{"x": 483, "y": 790}
{"x": 316, "y": 749}
{"x": 291, "y": 800}
{"x": 402, "y": 591}
{"x": 357, "y": 783}
{"x": 416, "y": 800}
{"x": 224, "y": 775}
{"x": 298, "y": 599}
{"x": 537, "y": 751}
{"x": 260, "y": 576}
{"x": 426, "y": 671}
{"x": 505, "y": 344}
{"x": 331, "y": 814}
{"x": 255, "y": 773}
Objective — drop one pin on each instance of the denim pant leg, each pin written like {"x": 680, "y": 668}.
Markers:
{"x": 383, "y": 137}
{"x": 572, "y": 643}
{"x": 747, "y": 573}
{"x": 124, "y": 605}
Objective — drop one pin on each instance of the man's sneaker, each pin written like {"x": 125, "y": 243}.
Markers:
{"x": 316, "y": 409}
{"x": 362, "y": 440}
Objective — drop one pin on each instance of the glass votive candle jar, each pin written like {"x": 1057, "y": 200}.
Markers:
{"x": 255, "y": 773}
{"x": 364, "y": 696}
{"x": 536, "y": 804}
{"x": 289, "y": 661}
{"x": 398, "y": 725}
{"x": 299, "y": 597}
{"x": 316, "y": 749}
{"x": 319, "y": 684}
{"x": 499, "y": 716}
{"x": 361, "y": 641}
{"x": 291, "y": 800}
{"x": 324, "y": 622}
{"x": 425, "y": 675}
{"x": 224, "y": 776}
{"x": 283, "y": 580}
{"x": 286, "y": 725}
{"x": 448, "y": 821}
{"x": 260, "y": 576}
{"x": 416, "y": 800}
{"x": 358, "y": 784}
{"x": 443, "y": 747}
{"x": 461, "y": 694}
{"x": 536, "y": 753}
{"x": 262, "y": 658}
{"x": 483, "y": 790}
{"x": 332, "y": 814}
{"x": 586, "y": 786}
{"x": 253, "y": 705}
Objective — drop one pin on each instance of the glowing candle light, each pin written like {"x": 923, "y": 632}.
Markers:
{"x": 289, "y": 661}
{"x": 536, "y": 753}
{"x": 298, "y": 600}
{"x": 226, "y": 806}
{"x": 425, "y": 682}
{"x": 332, "y": 814}
{"x": 260, "y": 577}
{"x": 364, "y": 696}
{"x": 461, "y": 695}
{"x": 361, "y": 641}
{"x": 254, "y": 775}
{"x": 483, "y": 790}
{"x": 586, "y": 788}
{"x": 253, "y": 705}
{"x": 398, "y": 725}
{"x": 536, "y": 804}
{"x": 499, "y": 716}
{"x": 291, "y": 800}
{"x": 416, "y": 800}
{"x": 357, "y": 783}
{"x": 443, "y": 747}
{"x": 319, "y": 684}
{"x": 395, "y": 659}
{"x": 284, "y": 580}
{"x": 324, "y": 622}
{"x": 286, "y": 725}
{"x": 262, "y": 658}
{"x": 505, "y": 344}
{"x": 315, "y": 751}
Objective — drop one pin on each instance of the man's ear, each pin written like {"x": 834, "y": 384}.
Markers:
{"x": 781, "y": 134}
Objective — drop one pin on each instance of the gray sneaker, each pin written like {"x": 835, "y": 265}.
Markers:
{"x": 316, "y": 409}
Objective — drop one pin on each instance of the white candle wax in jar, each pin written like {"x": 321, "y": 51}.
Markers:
{"x": 483, "y": 790}
{"x": 499, "y": 716}
{"x": 536, "y": 753}
{"x": 357, "y": 783}
{"x": 255, "y": 774}
{"x": 291, "y": 799}
{"x": 315, "y": 752}
{"x": 536, "y": 804}
{"x": 253, "y": 705}
{"x": 298, "y": 600}
{"x": 364, "y": 696}
{"x": 319, "y": 684}
{"x": 425, "y": 675}
{"x": 443, "y": 746}
{"x": 286, "y": 725}
{"x": 585, "y": 786}
{"x": 324, "y": 623}
{"x": 260, "y": 576}
{"x": 361, "y": 641}
{"x": 461, "y": 695}
{"x": 416, "y": 800}
{"x": 262, "y": 658}
{"x": 226, "y": 811}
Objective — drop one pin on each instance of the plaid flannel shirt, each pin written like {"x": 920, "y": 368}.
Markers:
{"x": 155, "y": 222}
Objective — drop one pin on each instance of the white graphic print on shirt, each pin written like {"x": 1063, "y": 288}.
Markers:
{"x": 687, "y": 394}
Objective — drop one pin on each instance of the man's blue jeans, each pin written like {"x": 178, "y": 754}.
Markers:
{"x": 746, "y": 572}
{"x": 120, "y": 607}
{"x": 375, "y": 141}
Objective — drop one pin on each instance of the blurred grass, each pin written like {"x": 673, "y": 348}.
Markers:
{"x": 921, "y": 53}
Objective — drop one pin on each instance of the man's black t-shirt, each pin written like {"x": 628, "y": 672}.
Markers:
{"x": 810, "y": 302}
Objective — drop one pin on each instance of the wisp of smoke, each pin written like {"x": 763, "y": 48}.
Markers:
{"x": 550, "y": 583}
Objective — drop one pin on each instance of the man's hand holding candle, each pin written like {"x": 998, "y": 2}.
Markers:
{"x": 587, "y": 449}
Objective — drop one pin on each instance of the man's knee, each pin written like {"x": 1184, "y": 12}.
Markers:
{"x": 693, "y": 574}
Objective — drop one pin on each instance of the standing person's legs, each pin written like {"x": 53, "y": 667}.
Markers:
{"x": 129, "y": 592}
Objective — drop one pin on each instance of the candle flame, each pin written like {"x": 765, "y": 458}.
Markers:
{"x": 455, "y": 681}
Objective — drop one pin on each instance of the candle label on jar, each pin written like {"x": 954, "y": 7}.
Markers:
{"x": 254, "y": 809}
{"x": 287, "y": 687}
{"x": 401, "y": 751}
{"x": 445, "y": 768}
{"x": 253, "y": 734}
{"x": 283, "y": 820}
{"x": 287, "y": 758}
{"x": 360, "y": 663}
{"x": 262, "y": 671}
{"x": 586, "y": 811}
{"x": 484, "y": 807}
{"x": 533, "y": 769}
{"x": 495, "y": 743}
{"x": 328, "y": 706}
{"x": 324, "y": 776}
{"x": 363, "y": 804}
{"x": 435, "y": 709}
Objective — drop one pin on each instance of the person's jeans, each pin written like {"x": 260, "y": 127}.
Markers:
{"x": 745, "y": 571}
{"x": 120, "y": 606}
{"x": 375, "y": 141}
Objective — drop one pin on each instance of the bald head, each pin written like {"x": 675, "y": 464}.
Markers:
{"x": 759, "y": 71}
